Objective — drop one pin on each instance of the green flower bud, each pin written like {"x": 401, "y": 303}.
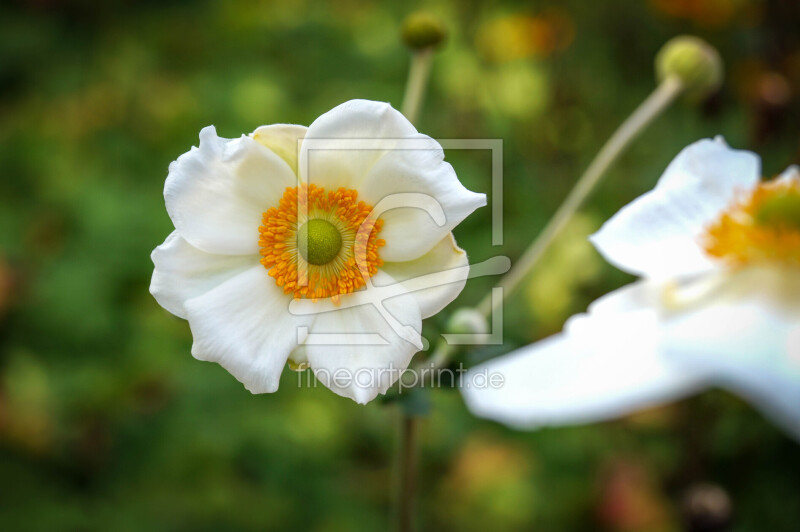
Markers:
{"x": 467, "y": 321}
{"x": 423, "y": 30}
{"x": 692, "y": 60}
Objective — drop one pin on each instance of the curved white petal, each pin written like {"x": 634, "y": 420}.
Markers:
{"x": 245, "y": 326}
{"x": 750, "y": 347}
{"x": 182, "y": 272}
{"x": 370, "y": 147}
{"x": 657, "y": 235}
{"x": 416, "y": 185}
{"x": 283, "y": 140}
{"x": 445, "y": 268}
{"x": 327, "y": 164}
{"x": 713, "y": 162}
{"x": 356, "y": 353}
{"x": 216, "y": 194}
{"x": 790, "y": 175}
{"x": 639, "y": 295}
{"x": 606, "y": 365}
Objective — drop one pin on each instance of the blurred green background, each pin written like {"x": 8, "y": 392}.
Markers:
{"x": 108, "y": 423}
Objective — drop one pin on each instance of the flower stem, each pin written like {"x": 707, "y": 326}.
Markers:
{"x": 658, "y": 101}
{"x": 441, "y": 355}
{"x": 408, "y": 472}
{"x": 418, "y": 75}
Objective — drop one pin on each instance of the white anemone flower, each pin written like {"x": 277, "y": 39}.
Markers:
{"x": 270, "y": 218}
{"x": 718, "y": 304}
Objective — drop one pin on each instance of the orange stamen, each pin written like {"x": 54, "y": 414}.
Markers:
{"x": 740, "y": 238}
{"x": 356, "y": 261}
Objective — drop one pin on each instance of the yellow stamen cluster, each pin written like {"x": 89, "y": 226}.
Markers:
{"x": 356, "y": 260}
{"x": 763, "y": 227}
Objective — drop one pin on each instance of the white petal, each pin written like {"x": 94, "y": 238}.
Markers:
{"x": 358, "y": 366}
{"x": 749, "y": 347}
{"x": 395, "y": 159}
{"x": 419, "y": 184}
{"x": 790, "y": 175}
{"x": 607, "y": 365}
{"x": 714, "y": 163}
{"x": 356, "y": 119}
{"x": 639, "y": 295}
{"x": 245, "y": 326}
{"x": 216, "y": 194}
{"x": 446, "y": 260}
{"x": 657, "y": 235}
{"x": 182, "y": 272}
{"x": 283, "y": 140}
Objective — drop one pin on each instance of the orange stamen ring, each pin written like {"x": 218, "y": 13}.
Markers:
{"x": 744, "y": 235}
{"x": 348, "y": 271}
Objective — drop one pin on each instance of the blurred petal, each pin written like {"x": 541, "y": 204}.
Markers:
{"x": 606, "y": 365}
{"x": 216, "y": 194}
{"x": 445, "y": 258}
{"x": 365, "y": 370}
{"x": 639, "y": 295}
{"x": 790, "y": 175}
{"x": 657, "y": 235}
{"x": 750, "y": 347}
{"x": 244, "y": 325}
{"x": 182, "y": 272}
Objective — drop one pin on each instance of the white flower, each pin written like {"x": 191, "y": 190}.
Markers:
{"x": 235, "y": 261}
{"x": 718, "y": 304}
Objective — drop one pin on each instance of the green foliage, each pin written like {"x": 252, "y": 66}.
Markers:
{"x": 108, "y": 423}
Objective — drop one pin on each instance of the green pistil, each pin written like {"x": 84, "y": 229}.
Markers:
{"x": 319, "y": 241}
{"x": 781, "y": 210}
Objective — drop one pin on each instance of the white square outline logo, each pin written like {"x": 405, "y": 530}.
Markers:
{"x": 375, "y": 295}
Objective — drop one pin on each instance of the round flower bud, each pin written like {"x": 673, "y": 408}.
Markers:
{"x": 467, "y": 321}
{"x": 423, "y": 30}
{"x": 692, "y": 60}
{"x": 706, "y": 507}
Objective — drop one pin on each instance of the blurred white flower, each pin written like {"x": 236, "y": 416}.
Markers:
{"x": 718, "y": 251}
{"x": 260, "y": 222}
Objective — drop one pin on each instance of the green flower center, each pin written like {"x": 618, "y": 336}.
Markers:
{"x": 780, "y": 210}
{"x": 319, "y": 241}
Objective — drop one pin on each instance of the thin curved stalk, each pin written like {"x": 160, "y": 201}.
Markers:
{"x": 652, "y": 107}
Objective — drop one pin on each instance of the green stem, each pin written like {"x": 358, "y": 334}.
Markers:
{"x": 659, "y": 99}
{"x": 418, "y": 75}
{"x": 408, "y": 472}
{"x": 440, "y": 356}
{"x": 419, "y": 72}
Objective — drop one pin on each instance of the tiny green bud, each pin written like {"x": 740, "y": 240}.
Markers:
{"x": 692, "y": 60}
{"x": 423, "y": 30}
{"x": 467, "y": 321}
